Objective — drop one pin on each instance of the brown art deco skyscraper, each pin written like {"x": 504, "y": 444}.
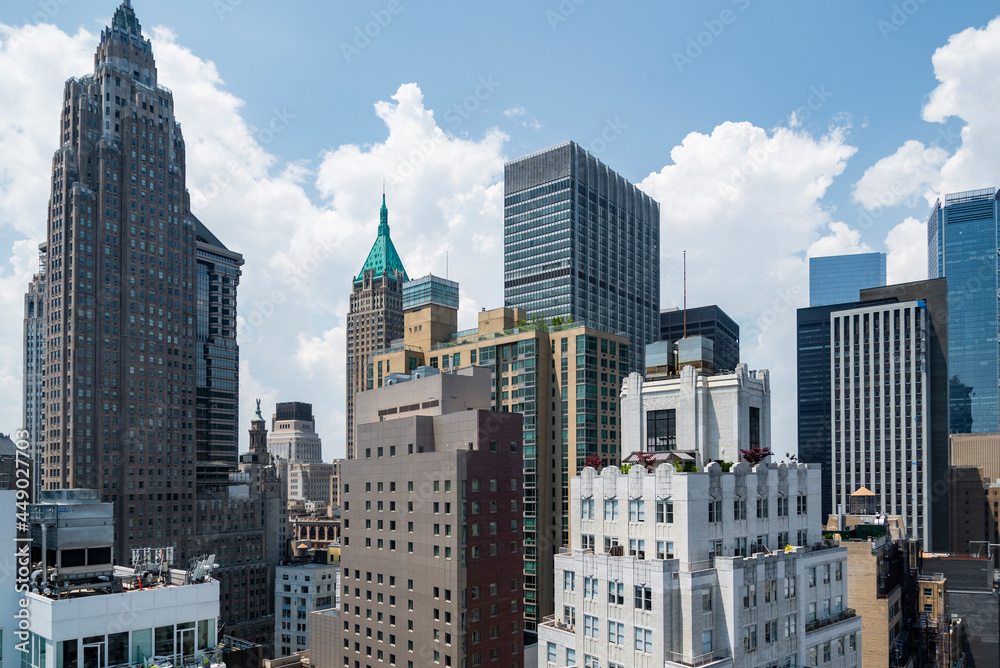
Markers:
{"x": 376, "y": 315}
{"x": 124, "y": 310}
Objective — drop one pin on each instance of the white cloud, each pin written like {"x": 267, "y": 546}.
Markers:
{"x": 969, "y": 89}
{"x": 746, "y": 204}
{"x": 520, "y": 116}
{"x": 906, "y": 244}
{"x": 842, "y": 240}
{"x": 902, "y": 177}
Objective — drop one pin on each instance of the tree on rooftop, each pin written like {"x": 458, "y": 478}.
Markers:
{"x": 755, "y": 456}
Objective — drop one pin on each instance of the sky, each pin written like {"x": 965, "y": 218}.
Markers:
{"x": 768, "y": 132}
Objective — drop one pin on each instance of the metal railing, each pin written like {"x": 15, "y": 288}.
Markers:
{"x": 833, "y": 619}
{"x": 698, "y": 659}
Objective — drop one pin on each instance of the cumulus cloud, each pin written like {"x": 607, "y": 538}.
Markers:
{"x": 901, "y": 178}
{"x": 906, "y": 244}
{"x": 842, "y": 240}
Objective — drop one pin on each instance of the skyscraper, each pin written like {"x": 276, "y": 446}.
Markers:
{"x": 708, "y": 321}
{"x": 376, "y": 315}
{"x": 218, "y": 357}
{"x": 582, "y": 242}
{"x": 34, "y": 370}
{"x": 881, "y": 411}
{"x": 962, "y": 246}
{"x": 838, "y": 279}
{"x": 140, "y": 376}
{"x": 120, "y": 332}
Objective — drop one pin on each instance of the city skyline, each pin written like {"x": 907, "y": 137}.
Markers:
{"x": 302, "y": 226}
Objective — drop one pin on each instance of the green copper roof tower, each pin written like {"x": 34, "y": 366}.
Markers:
{"x": 383, "y": 258}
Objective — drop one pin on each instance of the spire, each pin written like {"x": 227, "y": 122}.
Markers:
{"x": 383, "y": 221}
{"x": 383, "y": 258}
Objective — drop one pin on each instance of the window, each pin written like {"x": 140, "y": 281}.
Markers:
{"x": 661, "y": 430}
{"x": 643, "y": 640}
{"x": 826, "y": 573}
{"x": 587, "y": 509}
{"x": 739, "y": 509}
{"x": 789, "y": 586}
{"x": 750, "y": 638}
{"x": 665, "y": 512}
{"x": 750, "y": 595}
{"x": 569, "y": 580}
{"x": 590, "y": 588}
{"x": 611, "y": 509}
{"x": 636, "y": 510}
{"x": 740, "y": 547}
{"x": 770, "y": 591}
{"x": 664, "y": 549}
{"x": 771, "y": 631}
{"x": 838, "y": 571}
{"x": 811, "y": 613}
{"x": 616, "y": 633}
{"x": 811, "y": 576}
{"x": 643, "y": 598}
{"x": 706, "y": 642}
{"x": 591, "y": 627}
{"x": 706, "y": 601}
{"x": 569, "y": 615}
{"x": 551, "y": 652}
{"x": 637, "y": 548}
{"x": 715, "y": 511}
{"x": 763, "y": 506}
{"x": 782, "y": 539}
{"x": 801, "y": 505}
{"x": 790, "y": 626}
{"x": 782, "y": 506}
{"x": 616, "y": 593}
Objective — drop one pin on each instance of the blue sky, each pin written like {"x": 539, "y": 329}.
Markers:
{"x": 766, "y": 130}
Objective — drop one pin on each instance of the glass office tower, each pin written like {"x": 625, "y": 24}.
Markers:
{"x": 838, "y": 279}
{"x": 581, "y": 242}
{"x": 962, "y": 246}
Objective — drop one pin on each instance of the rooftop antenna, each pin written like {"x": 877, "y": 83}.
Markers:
{"x": 685, "y": 294}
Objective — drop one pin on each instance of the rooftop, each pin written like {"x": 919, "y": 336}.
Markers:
{"x": 383, "y": 258}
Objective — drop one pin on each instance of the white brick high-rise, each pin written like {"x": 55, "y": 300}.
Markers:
{"x": 700, "y": 569}
{"x": 880, "y": 411}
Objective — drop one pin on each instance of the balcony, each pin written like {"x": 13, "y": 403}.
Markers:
{"x": 717, "y": 659}
{"x": 835, "y": 619}
{"x": 551, "y": 622}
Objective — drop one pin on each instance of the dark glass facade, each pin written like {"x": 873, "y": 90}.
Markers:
{"x": 839, "y": 279}
{"x": 708, "y": 321}
{"x": 963, "y": 246}
{"x": 582, "y": 242}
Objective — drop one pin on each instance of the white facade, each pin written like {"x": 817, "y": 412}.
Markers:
{"x": 713, "y": 417}
{"x": 295, "y": 440}
{"x": 176, "y": 624}
{"x": 664, "y": 571}
{"x": 308, "y": 481}
{"x": 881, "y": 411}
{"x": 298, "y": 591}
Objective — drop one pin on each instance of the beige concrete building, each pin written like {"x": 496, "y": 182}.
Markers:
{"x": 564, "y": 378}
{"x": 978, "y": 450}
{"x": 324, "y": 639}
{"x": 431, "y": 544}
{"x": 335, "y": 485}
{"x": 309, "y": 481}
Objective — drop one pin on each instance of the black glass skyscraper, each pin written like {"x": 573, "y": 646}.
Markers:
{"x": 581, "y": 242}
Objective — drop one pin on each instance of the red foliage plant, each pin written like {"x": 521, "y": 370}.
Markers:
{"x": 755, "y": 456}
{"x": 594, "y": 462}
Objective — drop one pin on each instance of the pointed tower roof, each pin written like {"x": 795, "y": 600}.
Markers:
{"x": 383, "y": 258}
